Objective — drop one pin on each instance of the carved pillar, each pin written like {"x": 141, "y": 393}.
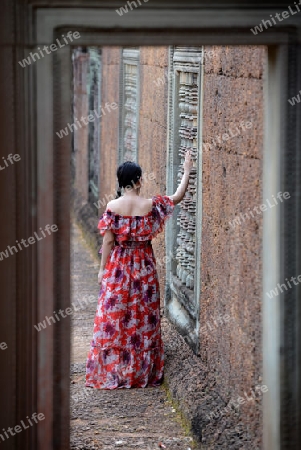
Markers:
{"x": 94, "y": 87}
{"x": 187, "y": 103}
{"x": 182, "y": 298}
{"x": 129, "y": 105}
{"x": 80, "y": 134}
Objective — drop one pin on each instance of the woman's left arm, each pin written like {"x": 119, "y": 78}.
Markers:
{"x": 107, "y": 245}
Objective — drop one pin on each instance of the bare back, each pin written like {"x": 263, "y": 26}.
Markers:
{"x": 131, "y": 205}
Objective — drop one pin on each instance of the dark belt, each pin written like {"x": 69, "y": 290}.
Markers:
{"x": 134, "y": 244}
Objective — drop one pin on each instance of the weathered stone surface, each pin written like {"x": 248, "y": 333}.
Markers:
{"x": 231, "y": 256}
{"x": 109, "y": 125}
{"x": 87, "y": 218}
{"x": 154, "y": 56}
{"x": 152, "y": 135}
{"x": 81, "y": 132}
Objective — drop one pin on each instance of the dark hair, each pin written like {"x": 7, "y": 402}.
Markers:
{"x": 128, "y": 174}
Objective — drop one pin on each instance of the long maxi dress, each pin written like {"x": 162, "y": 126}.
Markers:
{"x": 127, "y": 349}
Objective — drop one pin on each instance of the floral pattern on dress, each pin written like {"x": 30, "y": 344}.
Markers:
{"x": 127, "y": 349}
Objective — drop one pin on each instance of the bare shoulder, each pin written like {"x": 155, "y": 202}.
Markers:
{"x": 130, "y": 206}
{"x": 146, "y": 203}
{"x": 112, "y": 203}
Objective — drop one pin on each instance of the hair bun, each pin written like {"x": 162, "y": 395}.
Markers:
{"x": 128, "y": 173}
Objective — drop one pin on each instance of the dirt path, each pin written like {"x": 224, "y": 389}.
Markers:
{"x": 122, "y": 418}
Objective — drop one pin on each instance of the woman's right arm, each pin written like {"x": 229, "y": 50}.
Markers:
{"x": 180, "y": 192}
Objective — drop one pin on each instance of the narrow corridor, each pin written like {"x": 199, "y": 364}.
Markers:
{"x": 109, "y": 419}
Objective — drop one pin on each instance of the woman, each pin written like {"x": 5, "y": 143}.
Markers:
{"x": 127, "y": 349}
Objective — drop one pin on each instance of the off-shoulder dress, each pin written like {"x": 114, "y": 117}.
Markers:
{"x": 127, "y": 349}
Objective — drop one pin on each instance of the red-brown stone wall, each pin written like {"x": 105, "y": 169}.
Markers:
{"x": 152, "y": 135}
{"x": 109, "y": 123}
{"x": 231, "y": 256}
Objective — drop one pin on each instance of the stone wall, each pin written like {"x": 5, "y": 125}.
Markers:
{"x": 231, "y": 262}
{"x": 87, "y": 214}
{"x": 109, "y": 125}
{"x": 152, "y": 135}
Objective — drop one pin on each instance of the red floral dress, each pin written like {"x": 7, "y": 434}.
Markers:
{"x": 127, "y": 349}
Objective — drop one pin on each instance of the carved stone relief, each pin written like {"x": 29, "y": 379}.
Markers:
{"x": 183, "y": 236}
{"x": 129, "y": 102}
{"x": 186, "y": 94}
{"x": 94, "y": 126}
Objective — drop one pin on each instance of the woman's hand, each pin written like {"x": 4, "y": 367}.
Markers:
{"x": 100, "y": 275}
{"x": 188, "y": 163}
